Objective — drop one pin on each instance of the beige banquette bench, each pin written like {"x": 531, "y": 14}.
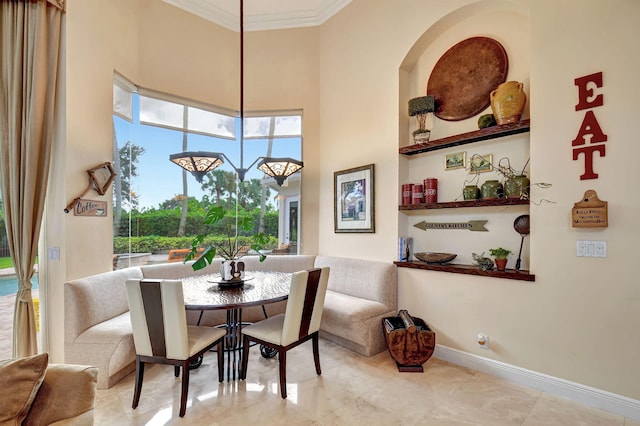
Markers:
{"x": 98, "y": 330}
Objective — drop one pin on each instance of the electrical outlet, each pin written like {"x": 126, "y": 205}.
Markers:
{"x": 483, "y": 340}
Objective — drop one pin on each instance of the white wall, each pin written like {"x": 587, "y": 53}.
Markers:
{"x": 579, "y": 320}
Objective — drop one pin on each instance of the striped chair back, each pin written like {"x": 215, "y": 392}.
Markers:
{"x": 158, "y": 318}
{"x": 304, "y": 306}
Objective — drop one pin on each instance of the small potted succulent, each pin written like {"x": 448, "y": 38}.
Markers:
{"x": 500, "y": 257}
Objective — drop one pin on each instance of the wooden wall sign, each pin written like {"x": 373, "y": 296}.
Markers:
{"x": 472, "y": 225}
{"x": 590, "y": 212}
{"x": 100, "y": 178}
{"x": 90, "y": 208}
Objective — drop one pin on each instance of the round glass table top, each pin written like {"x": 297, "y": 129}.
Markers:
{"x": 204, "y": 292}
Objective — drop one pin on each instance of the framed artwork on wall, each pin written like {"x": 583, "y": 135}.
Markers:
{"x": 454, "y": 161}
{"x": 481, "y": 163}
{"x": 353, "y": 200}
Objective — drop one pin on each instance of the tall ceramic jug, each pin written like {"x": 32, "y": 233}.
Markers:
{"x": 507, "y": 102}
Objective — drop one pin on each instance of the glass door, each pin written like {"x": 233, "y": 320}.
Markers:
{"x": 291, "y": 223}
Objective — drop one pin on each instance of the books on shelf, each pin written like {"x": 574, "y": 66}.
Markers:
{"x": 405, "y": 248}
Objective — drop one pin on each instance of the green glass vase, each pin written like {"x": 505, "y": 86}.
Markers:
{"x": 517, "y": 187}
{"x": 471, "y": 192}
{"x": 492, "y": 189}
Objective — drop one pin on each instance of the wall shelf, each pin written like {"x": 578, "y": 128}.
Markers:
{"x": 509, "y": 274}
{"x": 466, "y": 138}
{"x": 456, "y": 140}
{"x": 466, "y": 203}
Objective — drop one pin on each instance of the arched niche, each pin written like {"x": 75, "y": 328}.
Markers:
{"x": 503, "y": 20}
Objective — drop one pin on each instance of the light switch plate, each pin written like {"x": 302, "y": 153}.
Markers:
{"x": 589, "y": 248}
{"x": 53, "y": 253}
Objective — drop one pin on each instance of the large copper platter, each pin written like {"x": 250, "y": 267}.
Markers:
{"x": 465, "y": 75}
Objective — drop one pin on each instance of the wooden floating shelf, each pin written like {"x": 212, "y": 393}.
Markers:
{"x": 466, "y": 203}
{"x": 469, "y": 137}
{"x": 509, "y": 274}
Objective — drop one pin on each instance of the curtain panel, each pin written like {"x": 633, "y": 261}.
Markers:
{"x": 30, "y": 32}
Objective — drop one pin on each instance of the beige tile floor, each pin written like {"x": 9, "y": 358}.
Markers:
{"x": 353, "y": 390}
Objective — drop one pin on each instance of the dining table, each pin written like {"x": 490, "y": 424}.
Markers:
{"x": 210, "y": 292}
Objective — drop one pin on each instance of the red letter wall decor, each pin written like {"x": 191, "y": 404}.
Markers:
{"x": 590, "y": 136}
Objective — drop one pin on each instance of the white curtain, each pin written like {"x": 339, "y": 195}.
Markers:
{"x": 30, "y": 32}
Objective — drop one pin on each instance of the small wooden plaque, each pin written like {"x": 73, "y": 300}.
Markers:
{"x": 90, "y": 208}
{"x": 590, "y": 212}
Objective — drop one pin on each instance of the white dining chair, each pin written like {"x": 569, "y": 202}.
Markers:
{"x": 161, "y": 334}
{"x": 299, "y": 323}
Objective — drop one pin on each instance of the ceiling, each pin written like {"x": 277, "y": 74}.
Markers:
{"x": 263, "y": 14}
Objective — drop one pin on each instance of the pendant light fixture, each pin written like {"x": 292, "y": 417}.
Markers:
{"x": 199, "y": 163}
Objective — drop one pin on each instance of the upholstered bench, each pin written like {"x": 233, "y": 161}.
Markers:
{"x": 98, "y": 329}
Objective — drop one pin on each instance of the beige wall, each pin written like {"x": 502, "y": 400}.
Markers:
{"x": 578, "y": 321}
{"x": 100, "y": 37}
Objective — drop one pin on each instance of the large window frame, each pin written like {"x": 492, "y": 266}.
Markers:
{"x": 266, "y": 133}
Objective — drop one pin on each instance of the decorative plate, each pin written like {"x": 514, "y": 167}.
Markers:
{"x": 465, "y": 75}
{"x": 435, "y": 257}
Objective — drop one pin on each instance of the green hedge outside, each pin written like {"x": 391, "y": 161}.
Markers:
{"x": 155, "y": 244}
{"x": 166, "y": 223}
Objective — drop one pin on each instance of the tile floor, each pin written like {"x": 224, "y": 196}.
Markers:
{"x": 353, "y": 390}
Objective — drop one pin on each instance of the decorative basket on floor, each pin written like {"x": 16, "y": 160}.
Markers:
{"x": 410, "y": 341}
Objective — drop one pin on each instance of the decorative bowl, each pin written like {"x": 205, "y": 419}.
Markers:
{"x": 435, "y": 257}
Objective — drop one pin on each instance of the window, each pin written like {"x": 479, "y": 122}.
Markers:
{"x": 158, "y": 207}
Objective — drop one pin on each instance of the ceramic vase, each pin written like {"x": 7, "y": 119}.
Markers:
{"x": 231, "y": 270}
{"x": 507, "y": 102}
{"x": 471, "y": 192}
{"x": 491, "y": 189}
{"x": 517, "y": 187}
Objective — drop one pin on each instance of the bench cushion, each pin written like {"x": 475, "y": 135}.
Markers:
{"x": 356, "y": 320}
{"x": 107, "y": 345}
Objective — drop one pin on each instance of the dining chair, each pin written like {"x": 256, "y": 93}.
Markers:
{"x": 299, "y": 323}
{"x": 161, "y": 334}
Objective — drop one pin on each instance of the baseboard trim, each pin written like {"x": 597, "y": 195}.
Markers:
{"x": 586, "y": 395}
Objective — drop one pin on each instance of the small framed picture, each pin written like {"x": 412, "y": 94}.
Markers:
{"x": 353, "y": 200}
{"x": 455, "y": 161}
{"x": 481, "y": 163}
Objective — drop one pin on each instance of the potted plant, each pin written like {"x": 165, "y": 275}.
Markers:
{"x": 500, "y": 257}
{"x": 229, "y": 249}
{"x": 420, "y": 108}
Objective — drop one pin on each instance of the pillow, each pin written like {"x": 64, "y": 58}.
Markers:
{"x": 20, "y": 380}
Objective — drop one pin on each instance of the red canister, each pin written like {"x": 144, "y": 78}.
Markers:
{"x": 407, "y": 190}
{"x": 431, "y": 190}
{"x": 418, "y": 194}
